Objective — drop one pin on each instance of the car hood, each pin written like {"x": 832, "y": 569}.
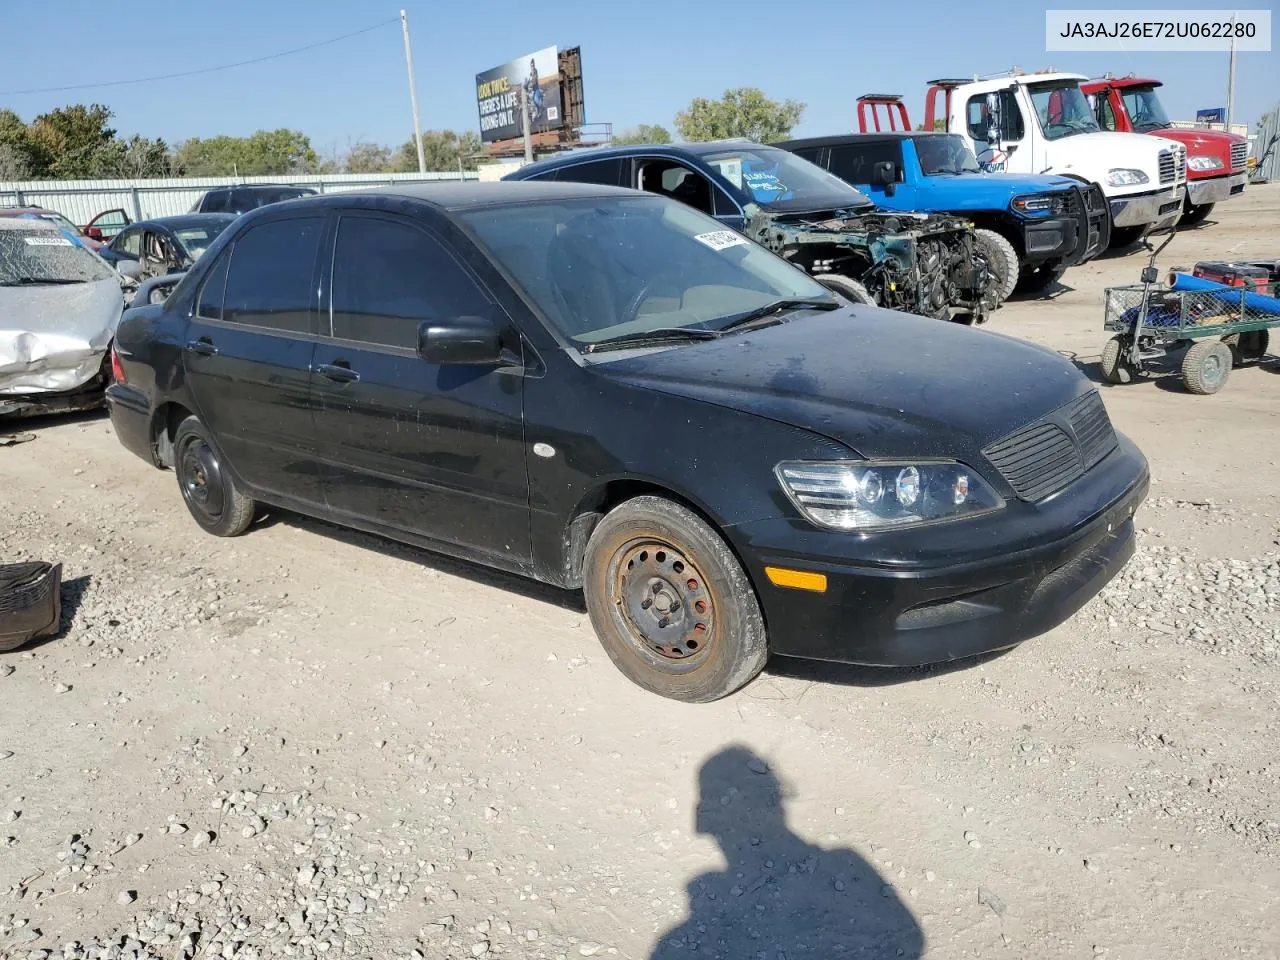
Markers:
{"x": 883, "y": 383}
{"x": 987, "y": 191}
{"x": 1198, "y": 141}
{"x": 53, "y": 338}
{"x": 1091, "y": 155}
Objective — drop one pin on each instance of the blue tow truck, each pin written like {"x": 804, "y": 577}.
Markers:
{"x": 1031, "y": 227}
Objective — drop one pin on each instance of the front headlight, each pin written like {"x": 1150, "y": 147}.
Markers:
{"x": 1124, "y": 177}
{"x": 873, "y": 495}
{"x": 1205, "y": 163}
{"x": 1038, "y": 203}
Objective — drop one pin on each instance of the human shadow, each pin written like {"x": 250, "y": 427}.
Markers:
{"x": 779, "y": 895}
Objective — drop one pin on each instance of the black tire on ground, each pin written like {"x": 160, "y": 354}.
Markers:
{"x": 1195, "y": 214}
{"x": 1248, "y": 346}
{"x": 1205, "y": 366}
{"x": 1041, "y": 278}
{"x": 1002, "y": 262}
{"x": 850, "y": 289}
{"x": 210, "y": 493}
{"x": 1114, "y": 366}
{"x": 1122, "y": 237}
{"x": 670, "y": 602}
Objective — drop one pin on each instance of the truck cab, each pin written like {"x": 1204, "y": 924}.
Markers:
{"x": 1217, "y": 161}
{"x": 1048, "y": 222}
{"x": 1042, "y": 123}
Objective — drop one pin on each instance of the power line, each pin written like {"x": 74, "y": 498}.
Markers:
{"x": 192, "y": 73}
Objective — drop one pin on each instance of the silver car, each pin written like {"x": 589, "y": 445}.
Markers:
{"x": 59, "y": 307}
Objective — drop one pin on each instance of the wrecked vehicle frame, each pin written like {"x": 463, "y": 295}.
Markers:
{"x": 915, "y": 262}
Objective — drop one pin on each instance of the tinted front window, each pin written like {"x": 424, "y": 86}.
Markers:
{"x": 388, "y": 277}
{"x": 196, "y": 240}
{"x": 775, "y": 177}
{"x": 605, "y": 267}
{"x": 945, "y": 153}
{"x": 607, "y": 173}
{"x": 241, "y": 201}
{"x": 1145, "y": 110}
{"x": 209, "y": 303}
{"x": 45, "y": 256}
{"x": 1062, "y": 109}
{"x": 271, "y": 282}
{"x": 855, "y": 161}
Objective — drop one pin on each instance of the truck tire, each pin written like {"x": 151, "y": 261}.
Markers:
{"x": 1002, "y": 262}
{"x": 1114, "y": 367}
{"x": 670, "y": 602}
{"x": 1041, "y": 278}
{"x": 1248, "y": 346}
{"x": 1195, "y": 214}
{"x": 1206, "y": 366}
{"x": 1122, "y": 237}
{"x": 851, "y": 290}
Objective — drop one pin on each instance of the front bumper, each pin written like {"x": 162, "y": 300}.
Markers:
{"x": 39, "y": 403}
{"x": 1215, "y": 189}
{"x": 1078, "y": 235}
{"x": 949, "y": 591}
{"x": 1157, "y": 208}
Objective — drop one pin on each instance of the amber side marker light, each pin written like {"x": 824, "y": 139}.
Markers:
{"x": 797, "y": 579}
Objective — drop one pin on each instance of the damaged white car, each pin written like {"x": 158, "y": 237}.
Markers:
{"x": 59, "y": 307}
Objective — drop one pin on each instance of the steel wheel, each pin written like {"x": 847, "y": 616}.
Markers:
{"x": 664, "y": 601}
{"x": 209, "y": 491}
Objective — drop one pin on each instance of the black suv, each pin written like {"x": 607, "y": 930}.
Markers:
{"x": 607, "y": 390}
{"x": 244, "y": 198}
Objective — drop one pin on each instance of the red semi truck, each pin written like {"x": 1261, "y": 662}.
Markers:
{"x": 1216, "y": 161}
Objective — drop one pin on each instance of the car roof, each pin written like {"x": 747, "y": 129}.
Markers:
{"x": 36, "y": 226}
{"x": 184, "y": 220}
{"x": 20, "y": 211}
{"x": 585, "y": 154}
{"x": 839, "y": 138}
{"x": 452, "y": 195}
{"x": 262, "y": 186}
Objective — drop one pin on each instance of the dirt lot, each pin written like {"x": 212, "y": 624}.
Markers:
{"x": 306, "y": 742}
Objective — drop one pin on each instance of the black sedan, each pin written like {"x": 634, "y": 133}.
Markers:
{"x": 607, "y": 390}
{"x": 166, "y": 244}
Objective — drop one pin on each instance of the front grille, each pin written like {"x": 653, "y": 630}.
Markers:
{"x": 1055, "y": 451}
{"x": 1239, "y": 155}
{"x": 1173, "y": 165}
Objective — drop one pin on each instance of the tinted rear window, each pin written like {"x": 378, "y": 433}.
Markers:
{"x": 271, "y": 282}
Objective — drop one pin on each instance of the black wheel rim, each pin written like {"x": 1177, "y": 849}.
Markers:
{"x": 200, "y": 476}
{"x": 663, "y": 604}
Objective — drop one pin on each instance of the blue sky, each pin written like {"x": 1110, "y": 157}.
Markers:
{"x": 641, "y": 62}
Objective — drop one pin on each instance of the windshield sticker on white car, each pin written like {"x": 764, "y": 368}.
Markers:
{"x": 48, "y": 242}
{"x": 721, "y": 239}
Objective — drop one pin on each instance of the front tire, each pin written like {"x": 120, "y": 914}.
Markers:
{"x": 1122, "y": 237}
{"x": 851, "y": 290}
{"x": 670, "y": 602}
{"x": 1195, "y": 214}
{"x": 210, "y": 493}
{"x": 1041, "y": 278}
{"x": 1114, "y": 366}
{"x": 1002, "y": 260}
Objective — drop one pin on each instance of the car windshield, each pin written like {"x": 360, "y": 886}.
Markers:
{"x": 607, "y": 267}
{"x": 1063, "y": 110}
{"x": 1144, "y": 109}
{"x": 945, "y": 153}
{"x": 46, "y": 256}
{"x": 196, "y": 240}
{"x": 774, "y": 177}
{"x": 63, "y": 222}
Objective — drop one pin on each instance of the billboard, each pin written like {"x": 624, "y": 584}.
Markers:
{"x": 498, "y": 96}
{"x": 1212, "y": 115}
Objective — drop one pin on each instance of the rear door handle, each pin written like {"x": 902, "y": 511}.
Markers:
{"x": 337, "y": 372}
{"x": 204, "y": 346}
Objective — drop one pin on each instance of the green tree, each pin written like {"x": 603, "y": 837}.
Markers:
{"x": 265, "y": 152}
{"x": 369, "y": 158}
{"x": 744, "y": 112}
{"x": 75, "y": 142}
{"x": 644, "y": 133}
{"x": 443, "y": 150}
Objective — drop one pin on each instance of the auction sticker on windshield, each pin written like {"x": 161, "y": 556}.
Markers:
{"x": 721, "y": 239}
{"x": 47, "y": 242}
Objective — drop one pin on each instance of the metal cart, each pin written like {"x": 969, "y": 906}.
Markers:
{"x": 1220, "y": 328}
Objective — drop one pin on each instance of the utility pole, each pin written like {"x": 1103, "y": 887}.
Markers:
{"x": 413, "y": 93}
{"x": 1231, "y": 82}
{"x": 528, "y": 134}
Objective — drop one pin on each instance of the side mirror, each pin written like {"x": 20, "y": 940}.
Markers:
{"x": 993, "y": 119}
{"x": 129, "y": 268}
{"x": 93, "y": 233}
{"x": 884, "y": 173}
{"x": 460, "y": 340}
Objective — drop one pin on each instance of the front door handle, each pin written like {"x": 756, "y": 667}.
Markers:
{"x": 204, "y": 346}
{"x": 339, "y": 372}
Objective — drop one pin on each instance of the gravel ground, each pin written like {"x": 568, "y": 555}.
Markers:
{"x": 311, "y": 743}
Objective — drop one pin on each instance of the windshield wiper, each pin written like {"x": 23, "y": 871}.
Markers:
{"x": 656, "y": 335}
{"x": 37, "y": 281}
{"x": 777, "y": 306}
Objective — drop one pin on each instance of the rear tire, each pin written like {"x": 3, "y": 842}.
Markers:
{"x": 850, "y": 289}
{"x": 1041, "y": 278}
{"x": 1115, "y": 368}
{"x": 1206, "y": 366}
{"x": 1248, "y": 346}
{"x": 1195, "y": 214}
{"x": 1122, "y": 237}
{"x": 1002, "y": 261}
{"x": 210, "y": 493}
{"x": 670, "y": 602}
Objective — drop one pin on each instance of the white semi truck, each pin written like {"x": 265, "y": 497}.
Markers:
{"x": 1042, "y": 123}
